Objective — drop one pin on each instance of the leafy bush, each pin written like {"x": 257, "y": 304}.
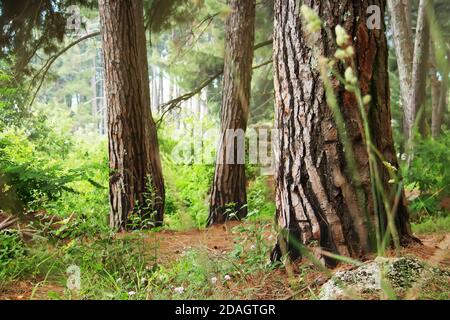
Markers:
{"x": 88, "y": 206}
{"x": 28, "y": 172}
{"x": 187, "y": 191}
{"x": 429, "y": 169}
{"x": 19, "y": 260}
{"x": 11, "y": 113}
{"x": 26, "y": 177}
{"x": 429, "y": 176}
{"x": 11, "y": 247}
{"x": 187, "y": 183}
{"x": 252, "y": 248}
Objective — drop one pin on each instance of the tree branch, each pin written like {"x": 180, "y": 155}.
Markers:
{"x": 7, "y": 223}
{"x": 175, "y": 103}
{"x": 263, "y": 64}
{"x": 46, "y": 67}
{"x": 263, "y": 44}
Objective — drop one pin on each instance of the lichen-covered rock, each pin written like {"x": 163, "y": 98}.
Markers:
{"x": 372, "y": 277}
{"x": 403, "y": 272}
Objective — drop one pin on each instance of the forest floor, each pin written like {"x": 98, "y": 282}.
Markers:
{"x": 218, "y": 241}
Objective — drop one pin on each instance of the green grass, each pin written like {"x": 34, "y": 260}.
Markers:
{"x": 438, "y": 288}
{"x": 126, "y": 268}
{"x": 432, "y": 225}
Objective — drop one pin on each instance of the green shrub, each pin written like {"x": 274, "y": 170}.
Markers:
{"x": 429, "y": 168}
{"x": 439, "y": 224}
{"x": 27, "y": 178}
{"x": 18, "y": 260}
{"x": 11, "y": 111}
{"x": 88, "y": 206}
{"x": 187, "y": 183}
{"x": 187, "y": 191}
{"x": 429, "y": 175}
{"x": 260, "y": 198}
{"x": 11, "y": 247}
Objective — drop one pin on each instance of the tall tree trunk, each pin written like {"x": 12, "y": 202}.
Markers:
{"x": 436, "y": 117}
{"x": 420, "y": 67}
{"x": 408, "y": 14}
{"x": 316, "y": 195}
{"x": 442, "y": 107}
{"x": 403, "y": 41}
{"x": 161, "y": 90}
{"x": 228, "y": 194}
{"x": 102, "y": 100}
{"x": 440, "y": 89}
{"x": 136, "y": 183}
{"x": 437, "y": 87}
{"x": 444, "y": 100}
{"x": 94, "y": 94}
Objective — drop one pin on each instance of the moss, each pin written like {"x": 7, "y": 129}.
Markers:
{"x": 402, "y": 273}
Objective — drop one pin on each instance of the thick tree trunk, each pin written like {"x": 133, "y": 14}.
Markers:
{"x": 228, "y": 195}
{"x": 136, "y": 183}
{"x": 316, "y": 195}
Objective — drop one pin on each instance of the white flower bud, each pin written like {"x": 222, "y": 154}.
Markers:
{"x": 350, "y": 76}
{"x": 342, "y": 38}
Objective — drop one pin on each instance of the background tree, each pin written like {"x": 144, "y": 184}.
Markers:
{"x": 400, "y": 13}
{"x": 440, "y": 64}
{"x": 136, "y": 182}
{"x": 439, "y": 94}
{"x": 421, "y": 60}
{"x": 414, "y": 57}
{"x": 317, "y": 196}
{"x": 228, "y": 195}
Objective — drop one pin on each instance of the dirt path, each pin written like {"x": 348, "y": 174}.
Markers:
{"x": 172, "y": 244}
{"x": 220, "y": 240}
{"x": 29, "y": 290}
{"x": 436, "y": 249}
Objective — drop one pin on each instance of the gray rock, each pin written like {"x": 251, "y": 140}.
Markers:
{"x": 399, "y": 274}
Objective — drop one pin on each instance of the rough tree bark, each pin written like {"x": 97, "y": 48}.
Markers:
{"x": 136, "y": 183}
{"x": 316, "y": 196}
{"x": 228, "y": 193}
